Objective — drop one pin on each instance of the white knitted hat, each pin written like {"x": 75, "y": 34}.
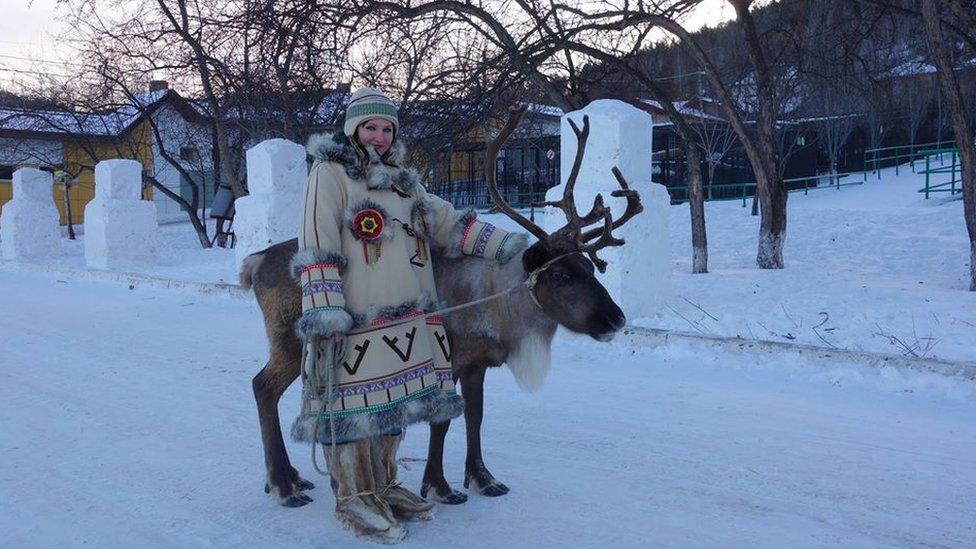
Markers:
{"x": 367, "y": 103}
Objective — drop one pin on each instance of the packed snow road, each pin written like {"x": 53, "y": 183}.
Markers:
{"x": 128, "y": 421}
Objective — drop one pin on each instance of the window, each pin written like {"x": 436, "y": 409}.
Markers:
{"x": 6, "y": 173}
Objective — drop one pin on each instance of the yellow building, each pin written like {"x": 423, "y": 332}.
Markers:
{"x": 70, "y": 144}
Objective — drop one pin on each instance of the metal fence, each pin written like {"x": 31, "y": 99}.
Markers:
{"x": 954, "y": 169}
{"x": 524, "y": 174}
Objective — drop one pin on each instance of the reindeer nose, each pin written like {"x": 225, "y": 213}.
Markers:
{"x": 614, "y": 319}
{"x": 617, "y": 321}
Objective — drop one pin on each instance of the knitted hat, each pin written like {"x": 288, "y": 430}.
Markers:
{"x": 367, "y": 103}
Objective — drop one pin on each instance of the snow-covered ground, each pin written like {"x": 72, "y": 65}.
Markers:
{"x": 873, "y": 267}
{"x": 128, "y": 418}
{"x": 128, "y": 422}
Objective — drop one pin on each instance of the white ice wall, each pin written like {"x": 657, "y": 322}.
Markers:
{"x": 639, "y": 274}
{"x": 271, "y": 212}
{"x": 120, "y": 228}
{"x": 29, "y": 227}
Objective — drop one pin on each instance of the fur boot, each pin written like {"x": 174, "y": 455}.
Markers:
{"x": 358, "y": 505}
{"x": 405, "y": 504}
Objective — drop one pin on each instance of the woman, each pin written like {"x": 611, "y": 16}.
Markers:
{"x": 364, "y": 265}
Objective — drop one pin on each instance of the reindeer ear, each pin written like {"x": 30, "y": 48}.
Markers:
{"x": 535, "y": 256}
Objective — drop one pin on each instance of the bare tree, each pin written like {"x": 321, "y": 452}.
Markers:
{"x": 917, "y": 97}
{"x": 715, "y": 139}
{"x": 545, "y": 45}
{"x": 758, "y": 139}
{"x": 933, "y": 14}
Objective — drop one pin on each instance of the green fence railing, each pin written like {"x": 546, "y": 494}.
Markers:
{"x": 528, "y": 202}
{"x": 877, "y": 158}
{"x": 744, "y": 191}
{"x": 954, "y": 185}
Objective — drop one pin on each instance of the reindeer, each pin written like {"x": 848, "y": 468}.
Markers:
{"x": 557, "y": 286}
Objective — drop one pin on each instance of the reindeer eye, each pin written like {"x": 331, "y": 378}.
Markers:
{"x": 559, "y": 276}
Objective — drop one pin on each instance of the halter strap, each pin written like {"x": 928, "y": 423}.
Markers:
{"x": 533, "y": 277}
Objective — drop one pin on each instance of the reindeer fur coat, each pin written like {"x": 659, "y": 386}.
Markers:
{"x": 364, "y": 266}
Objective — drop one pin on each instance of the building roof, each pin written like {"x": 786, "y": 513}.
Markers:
{"x": 110, "y": 123}
{"x": 701, "y": 108}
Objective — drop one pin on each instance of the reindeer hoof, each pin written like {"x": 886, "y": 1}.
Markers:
{"x": 494, "y": 490}
{"x": 486, "y": 487}
{"x": 298, "y": 482}
{"x": 296, "y": 500}
{"x": 454, "y": 498}
{"x": 449, "y": 497}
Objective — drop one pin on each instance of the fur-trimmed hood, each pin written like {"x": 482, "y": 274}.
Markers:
{"x": 379, "y": 173}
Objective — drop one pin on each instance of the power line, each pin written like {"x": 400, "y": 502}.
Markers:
{"x": 44, "y": 61}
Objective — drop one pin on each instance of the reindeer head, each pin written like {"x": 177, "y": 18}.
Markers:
{"x": 561, "y": 265}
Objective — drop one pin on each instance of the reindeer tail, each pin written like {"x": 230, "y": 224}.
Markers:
{"x": 249, "y": 267}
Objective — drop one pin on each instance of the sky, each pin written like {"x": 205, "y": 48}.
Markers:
{"x": 28, "y": 29}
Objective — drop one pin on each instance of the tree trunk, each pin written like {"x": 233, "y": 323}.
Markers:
{"x": 67, "y": 212}
{"x": 772, "y": 221}
{"x": 696, "y": 201}
{"x": 962, "y": 129}
{"x": 711, "y": 179}
{"x": 191, "y": 212}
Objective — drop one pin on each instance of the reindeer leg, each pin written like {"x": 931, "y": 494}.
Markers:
{"x": 476, "y": 475}
{"x": 270, "y": 383}
{"x": 434, "y": 472}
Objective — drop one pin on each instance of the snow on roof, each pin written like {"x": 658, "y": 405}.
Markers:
{"x": 685, "y": 108}
{"x": 540, "y": 108}
{"x": 109, "y": 123}
{"x": 818, "y": 118}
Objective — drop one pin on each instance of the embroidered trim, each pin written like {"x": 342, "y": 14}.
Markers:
{"x": 376, "y": 322}
{"x": 313, "y": 257}
{"x": 482, "y": 243}
{"x": 377, "y": 407}
{"x": 315, "y": 266}
{"x": 385, "y": 384}
{"x": 325, "y": 308}
{"x": 444, "y": 375}
{"x": 467, "y": 231}
{"x": 322, "y": 286}
{"x": 436, "y": 320}
{"x": 501, "y": 247}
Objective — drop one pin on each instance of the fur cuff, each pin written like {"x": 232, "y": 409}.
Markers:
{"x": 436, "y": 406}
{"x": 513, "y": 244}
{"x": 457, "y": 232}
{"x": 323, "y": 322}
{"x": 311, "y": 256}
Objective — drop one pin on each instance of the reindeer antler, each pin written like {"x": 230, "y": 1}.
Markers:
{"x": 491, "y": 153}
{"x": 575, "y": 223}
{"x": 604, "y": 235}
{"x": 634, "y": 206}
{"x": 571, "y": 236}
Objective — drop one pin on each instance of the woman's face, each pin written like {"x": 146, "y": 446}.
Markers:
{"x": 377, "y": 132}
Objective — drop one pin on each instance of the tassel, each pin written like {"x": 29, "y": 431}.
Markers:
{"x": 372, "y": 252}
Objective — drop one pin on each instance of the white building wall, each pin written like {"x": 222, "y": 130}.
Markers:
{"x": 177, "y": 133}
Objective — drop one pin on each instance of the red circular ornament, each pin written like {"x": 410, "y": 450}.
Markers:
{"x": 368, "y": 224}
